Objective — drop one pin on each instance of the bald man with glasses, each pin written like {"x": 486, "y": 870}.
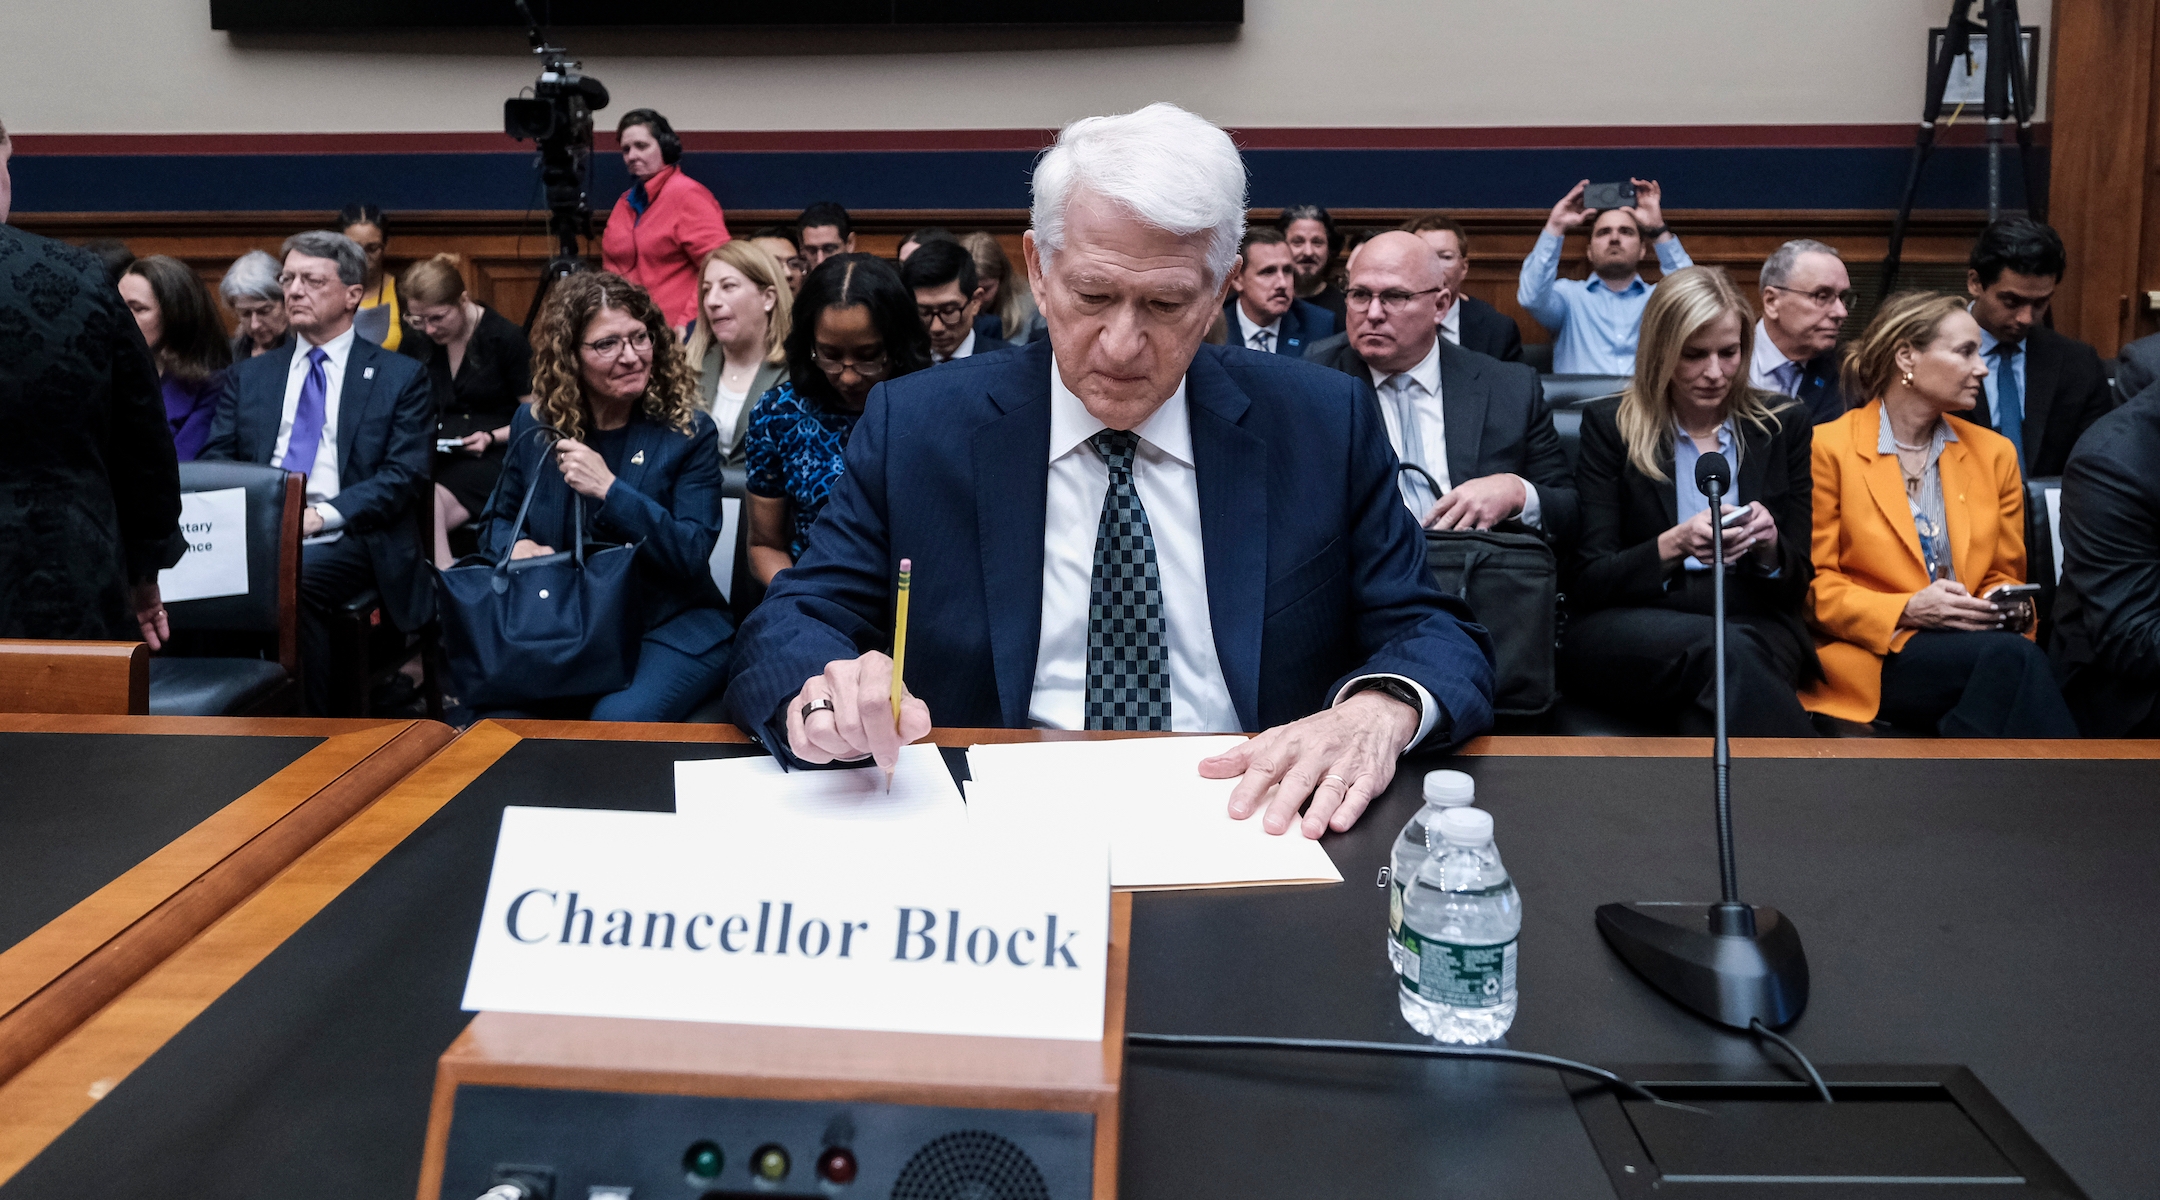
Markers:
{"x": 1806, "y": 295}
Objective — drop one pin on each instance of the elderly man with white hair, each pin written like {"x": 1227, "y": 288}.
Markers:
{"x": 1122, "y": 528}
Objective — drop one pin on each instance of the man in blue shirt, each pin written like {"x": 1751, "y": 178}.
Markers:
{"x": 1595, "y": 321}
{"x": 2043, "y": 389}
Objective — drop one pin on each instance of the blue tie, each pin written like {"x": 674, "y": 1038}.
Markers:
{"x": 307, "y": 418}
{"x": 2009, "y": 399}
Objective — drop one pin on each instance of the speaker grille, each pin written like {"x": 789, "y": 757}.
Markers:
{"x": 970, "y": 1165}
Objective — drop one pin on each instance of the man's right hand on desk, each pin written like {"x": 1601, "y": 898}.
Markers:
{"x": 850, "y": 714}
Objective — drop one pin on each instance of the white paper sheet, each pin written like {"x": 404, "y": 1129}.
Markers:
{"x": 216, "y": 560}
{"x": 1166, "y": 826}
{"x": 2054, "y": 507}
{"x": 756, "y": 789}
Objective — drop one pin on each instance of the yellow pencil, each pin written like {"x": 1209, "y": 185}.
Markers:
{"x": 899, "y": 651}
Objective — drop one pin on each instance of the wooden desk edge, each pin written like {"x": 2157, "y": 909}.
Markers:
{"x": 235, "y": 726}
{"x": 1488, "y": 746}
{"x": 127, "y": 928}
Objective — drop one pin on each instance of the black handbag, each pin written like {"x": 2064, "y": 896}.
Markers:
{"x": 545, "y": 627}
{"x": 1512, "y": 583}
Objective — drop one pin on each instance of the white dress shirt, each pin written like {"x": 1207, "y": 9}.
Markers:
{"x": 1451, "y": 322}
{"x": 965, "y": 348}
{"x": 322, "y": 479}
{"x": 1766, "y": 371}
{"x": 1422, "y": 383}
{"x": 1169, "y": 489}
{"x": 1246, "y": 330}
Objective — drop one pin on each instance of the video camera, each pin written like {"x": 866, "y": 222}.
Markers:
{"x": 557, "y": 118}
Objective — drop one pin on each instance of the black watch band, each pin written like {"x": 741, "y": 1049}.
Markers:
{"x": 1390, "y": 687}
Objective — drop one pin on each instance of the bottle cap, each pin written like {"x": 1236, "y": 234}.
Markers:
{"x": 1466, "y": 826}
{"x": 1449, "y": 788}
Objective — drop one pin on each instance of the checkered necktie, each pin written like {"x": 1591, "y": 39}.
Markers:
{"x": 1128, "y": 657}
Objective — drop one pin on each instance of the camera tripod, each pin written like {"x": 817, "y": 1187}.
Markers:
{"x": 2008, "y": 98}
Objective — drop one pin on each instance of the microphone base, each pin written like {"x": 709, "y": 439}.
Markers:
{"x": 1753, "y": 969}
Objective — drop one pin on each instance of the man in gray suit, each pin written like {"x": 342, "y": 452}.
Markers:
{"x": 1475, "y": 425}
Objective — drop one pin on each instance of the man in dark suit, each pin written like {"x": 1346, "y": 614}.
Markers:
{"x": 89, "y": 488}
{"x": 2107, "y": 610}
{"x": 948, "y": 297}
{"x": 1123, "y": 528}
{"x": 1477, "y": 425}
{"x": 355, "y": 419}
{"x": 2043, "y": 389}
{"x": 1806, "y": 294}
{"x": 2137, "y": 367}
{"x": 1263, "y": 312}
{"x": 1468, "y": 322}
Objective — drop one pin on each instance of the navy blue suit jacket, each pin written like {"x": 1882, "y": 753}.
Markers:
{"x": 1303, "y": 325}
{"x": 666, "y": 498}
{"x": 386, "y": 415}
{"x": 1315, "y": 570}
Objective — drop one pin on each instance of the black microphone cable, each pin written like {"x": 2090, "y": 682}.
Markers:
{"x": 1756, "y": 1027}
{"x": 1495, "y": 1054}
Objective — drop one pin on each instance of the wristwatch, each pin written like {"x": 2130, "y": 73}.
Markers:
{"x": 1651, "y": 235}
{"x": 1389, "y": 687}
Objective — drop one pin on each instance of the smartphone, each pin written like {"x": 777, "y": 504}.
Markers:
{"x": 2010, "y": 593}
{"x": 449, "y": 445}
{"x": 1734, "y": 517}
{"x": 1602, "y": 196}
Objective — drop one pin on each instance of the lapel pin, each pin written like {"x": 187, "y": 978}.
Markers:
{"x": 638, "y": 459}
{"x": 367, "y": 372}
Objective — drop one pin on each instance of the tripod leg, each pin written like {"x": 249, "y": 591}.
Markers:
{"x": 1957, "y": 36}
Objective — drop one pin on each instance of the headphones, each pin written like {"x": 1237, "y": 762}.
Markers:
{"x": 662, "y": 132}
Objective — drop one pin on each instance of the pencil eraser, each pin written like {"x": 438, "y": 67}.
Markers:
{"x": 907, "y": 564}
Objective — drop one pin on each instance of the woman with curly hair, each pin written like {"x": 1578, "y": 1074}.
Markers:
{"x": 615, "y": 432}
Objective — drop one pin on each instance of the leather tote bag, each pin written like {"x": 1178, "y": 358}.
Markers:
{"x": 1512, "y": 584}
{"x": 545, "y": 627}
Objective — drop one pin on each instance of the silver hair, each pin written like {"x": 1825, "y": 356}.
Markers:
{"x": 251, "y": 276}
{"x": 1167, "y": 167}
{"x": 351, "y": 260}
{"x": 1780, "y": 266}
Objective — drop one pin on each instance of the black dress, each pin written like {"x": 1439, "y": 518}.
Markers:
{"x": 89, "y": 487}
{"x": 496, "y": 372}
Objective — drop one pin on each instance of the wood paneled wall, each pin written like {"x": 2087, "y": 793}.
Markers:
{"x": 2104, "y": 194}
{"x": 503, "y": 253}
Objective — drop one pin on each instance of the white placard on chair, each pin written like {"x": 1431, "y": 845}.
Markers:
{"x": 215, "y": 525}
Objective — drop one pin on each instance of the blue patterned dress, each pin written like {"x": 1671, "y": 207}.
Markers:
{"x": 792, "y": 453}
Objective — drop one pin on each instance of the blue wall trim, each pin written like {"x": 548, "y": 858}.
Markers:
{"x": 1696, "y": 177}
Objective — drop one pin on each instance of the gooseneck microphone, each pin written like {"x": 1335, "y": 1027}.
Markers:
{"x": 1741, "y": 963}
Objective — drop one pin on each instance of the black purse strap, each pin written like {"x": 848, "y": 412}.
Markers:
{"x": 1430, "y": 482}
{"x": 517, "y": 527}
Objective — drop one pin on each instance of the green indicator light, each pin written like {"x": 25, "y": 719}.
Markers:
{"x": 770, "y": 1163}
{"x": 703, "y": 1161}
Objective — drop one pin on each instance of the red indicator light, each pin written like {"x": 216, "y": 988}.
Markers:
{"x": 837, "y": 1165}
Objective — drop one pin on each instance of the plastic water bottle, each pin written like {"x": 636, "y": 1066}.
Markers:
{"x": 1443, "y": 790}
{"x": 1461, "y": 918}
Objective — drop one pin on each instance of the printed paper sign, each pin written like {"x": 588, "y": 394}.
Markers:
{"x": 631, "y": 914}
{"x": 723, "y": 551}
{"x": 215, "y": 525}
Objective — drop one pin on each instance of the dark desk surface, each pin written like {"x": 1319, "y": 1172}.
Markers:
{"x": 1978, "y": 908}
{"x": 122, "y": 837}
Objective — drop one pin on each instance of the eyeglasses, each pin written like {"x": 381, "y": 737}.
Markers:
{"x": 873, "y": 367}
{"x": 423, "y": 321}
{"x": 1823, "y": 297}
{"x": 947, "y": 315}
{"x": 313, "y": 283}
{"x": 1392, "y": 301}
{"x": 609, "y": 347}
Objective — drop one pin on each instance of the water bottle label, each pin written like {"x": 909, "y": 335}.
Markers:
{"x": 1461, "y": 976}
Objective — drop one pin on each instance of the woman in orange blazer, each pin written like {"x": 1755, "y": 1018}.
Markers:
{"x": 1919, "y": 516}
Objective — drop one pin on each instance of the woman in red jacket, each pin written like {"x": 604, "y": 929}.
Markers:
{"x": 666, "y": 224}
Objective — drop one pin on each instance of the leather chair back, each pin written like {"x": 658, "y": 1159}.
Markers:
{"x": 271, "y": 605}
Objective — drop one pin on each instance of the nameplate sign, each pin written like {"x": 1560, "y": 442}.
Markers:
{"x": 215, "y": 564}
{"x": 633, "y": 914}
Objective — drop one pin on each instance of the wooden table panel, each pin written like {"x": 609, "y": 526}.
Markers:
{"x": 56, "y": 977}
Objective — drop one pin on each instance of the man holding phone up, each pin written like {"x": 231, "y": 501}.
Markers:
{"x": 1595, "y": 321}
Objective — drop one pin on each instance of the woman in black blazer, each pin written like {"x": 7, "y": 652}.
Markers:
{"x": 609, "y": 376}
{"x": 1639, "y": 627}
